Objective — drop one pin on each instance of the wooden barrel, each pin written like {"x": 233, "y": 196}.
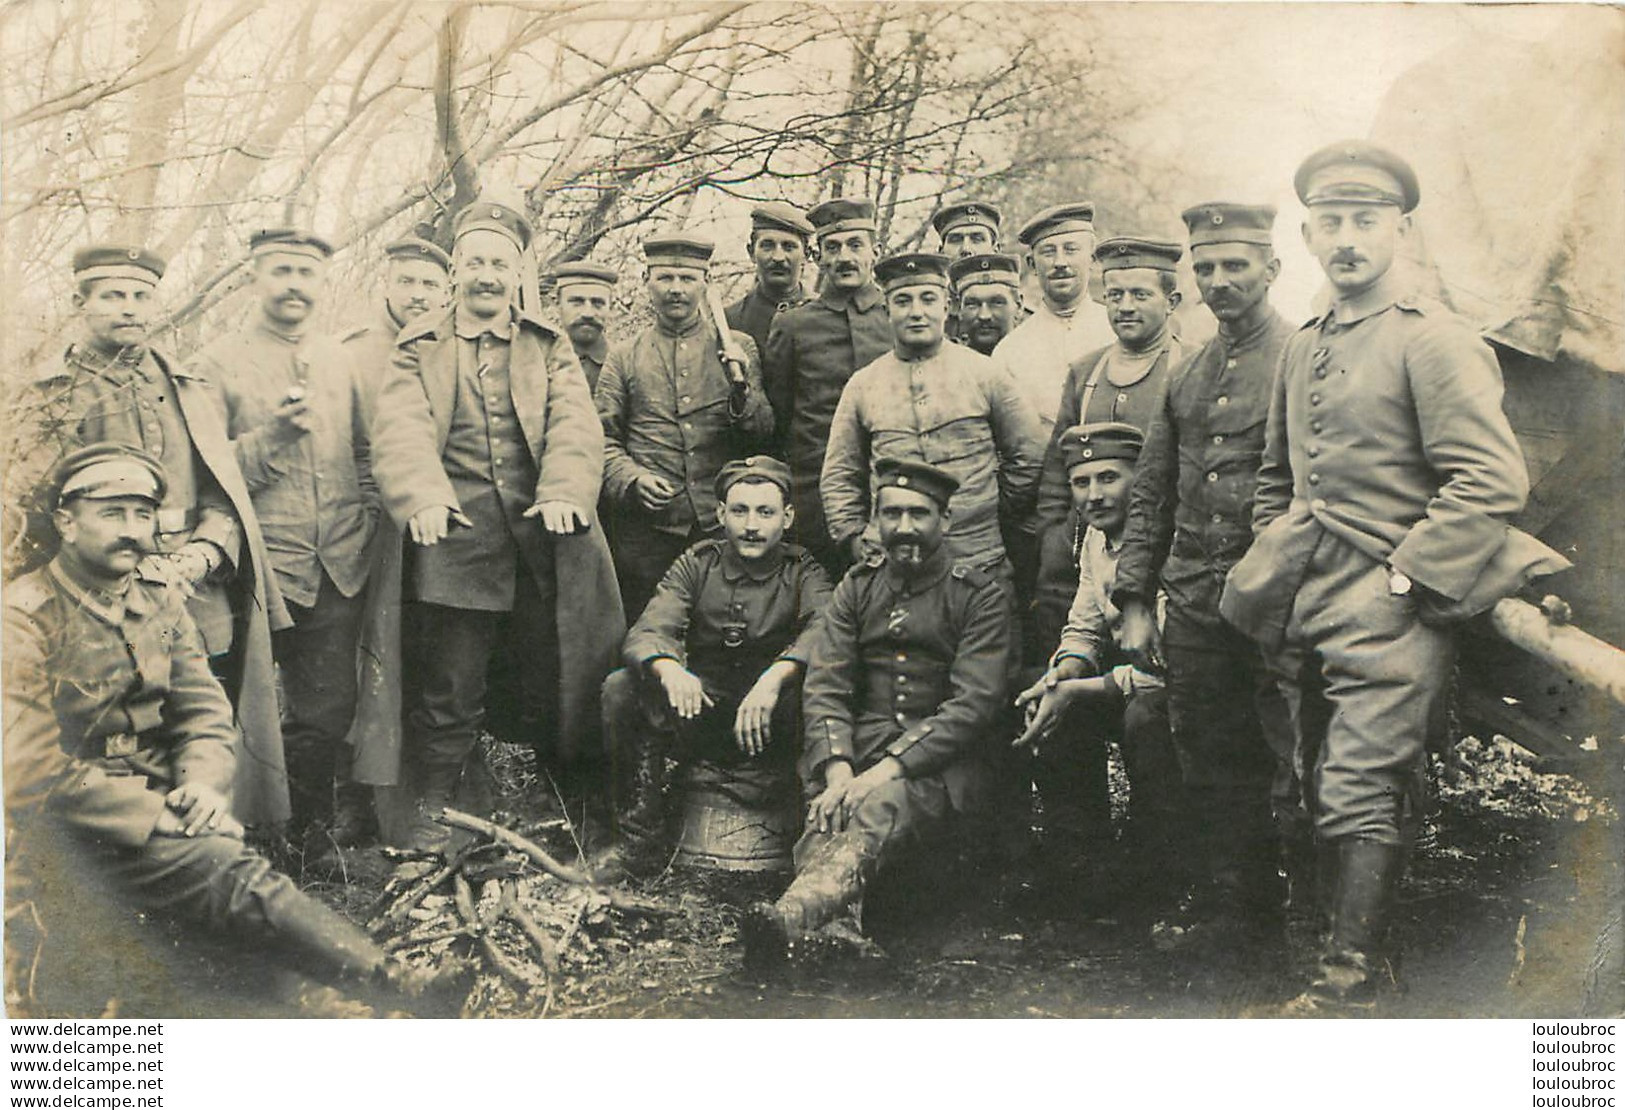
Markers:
{"x": 725, "y": 828}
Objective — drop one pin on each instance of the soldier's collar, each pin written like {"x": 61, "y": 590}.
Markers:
{"x": 1242, "y": 341}
{"x": 108, "y": 606}
{"x": 125, "y": 362}
{"x": 694, "y": 324}
{"x": 598, "y": 351}
{"x": 734, "y": 568}
{"x": 865, "y": 298}
{"x": 469, "y": 326}
{"x": 793, "y": 296}
{"x": 1384, "y": 293}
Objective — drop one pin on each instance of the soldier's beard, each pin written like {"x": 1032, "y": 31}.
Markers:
{"x": 907, "y": 554}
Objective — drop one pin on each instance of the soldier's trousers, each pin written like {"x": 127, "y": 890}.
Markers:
{"x": 1384, "y": 674}
{"x": 832, "y": 869}
{"x": 316, "y": 659}
{"x": 1235, "y": 733}
{"x": 457, "y": 653}
{"x": 637, "y": 716}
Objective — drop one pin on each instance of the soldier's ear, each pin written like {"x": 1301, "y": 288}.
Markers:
{"x": 1405, "y": 223}
{"x": 1272, "y": 270}
{"x": 1174, "y": 298}
{"x": 62, "y": 517}
{"x": 789, "y": 515}
{"x": 722, "y": 514}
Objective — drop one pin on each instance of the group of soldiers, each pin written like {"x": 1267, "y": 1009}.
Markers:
{"x": 895, "y": 553}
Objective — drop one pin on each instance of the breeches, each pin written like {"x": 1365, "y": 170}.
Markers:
{"x": 1383, "y": 674}
{"x": 891, "y": 816}
{"x": 637, "y": 716}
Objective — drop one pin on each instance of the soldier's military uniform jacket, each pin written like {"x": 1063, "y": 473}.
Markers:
{"x": 95, "y": 685}
{"x": 728, "y": 621}
{"x": 1190, "y": 511}
{"x": 562, "y": 454}
{"x": 174, "y": 414}
{"x": 664, "y": 400}
{"x": 1385, "y": 430}
{"x": 908, "y": 667}
{"x": 755, "y": 312}
{"x": 956, "y": 411}
{"x": 314, "y": 494}
{"x": 369, "y": 347}
{"x": 811, "y": 353}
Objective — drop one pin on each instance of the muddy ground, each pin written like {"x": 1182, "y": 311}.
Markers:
{"x": 1512, "y": 908}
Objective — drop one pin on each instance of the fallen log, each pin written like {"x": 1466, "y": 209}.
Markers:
{"x": 1576, "y": 654}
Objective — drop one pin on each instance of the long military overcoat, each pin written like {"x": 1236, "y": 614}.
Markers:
{"x": 561, "y": 427}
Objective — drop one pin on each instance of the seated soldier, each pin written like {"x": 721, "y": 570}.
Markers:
{"x": 906, "y": 681}
{"x": 119, "y": 743}
{"x": 713, "y": 665}
{"x": 1091, "y": 695}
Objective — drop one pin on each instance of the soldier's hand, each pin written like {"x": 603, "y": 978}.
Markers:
{"x": 753, "y": 723}
{"x": 865, "y": 784}
{"x": 429, "y": 525}
{"x": 684, "y": 691}
{"x": 1139, "y": 639}
{"x": 170, "y": 570}
{"x": 292, "y": 416}
{"x": 654, "y": 493}
{"x": 1052, "y": 704}
{"x": 827, "y": 812}
{"x": 559, "y": 517}
{"x": 200, "y": 809}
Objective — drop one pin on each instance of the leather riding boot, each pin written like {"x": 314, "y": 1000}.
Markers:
{"x": 353, "y": 819}
{"x": 1355, "y": 964}
{"x": 311, "y": 930}
{"x": 831, "y": 877}
{"x": 641, "y": 846}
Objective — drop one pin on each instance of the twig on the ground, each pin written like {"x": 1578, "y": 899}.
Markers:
{"x": 403, "y": 908}
{"x": 546, "y": 949}
{"x": 510, "y": 839}
{"x": 422, "y": 940}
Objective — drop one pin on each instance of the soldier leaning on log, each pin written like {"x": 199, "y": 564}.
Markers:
{"x": 489, "y": 455}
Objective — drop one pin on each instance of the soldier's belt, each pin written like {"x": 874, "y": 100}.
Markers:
{"x": 113, "y": 746}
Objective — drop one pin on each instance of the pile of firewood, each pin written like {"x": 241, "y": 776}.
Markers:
{"x": 528, "y": 921}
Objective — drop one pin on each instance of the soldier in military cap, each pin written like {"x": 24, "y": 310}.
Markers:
{"x": 964, "y": 230}
{"x": 585, "y": 295}
{"x": 906, "y": 680}
{"x": 489, "y": 454}
{"x": 677, "y": 400}
{"x": 1189, "y": 523}
{"x": 1093, "y": 694}
{"x": 812, "y": 351}
{"x": 120, "y": 746}
{"x": 780, "y": 240}
{"x": 1120, "y": 382}
{"x": 416, "y": 282}
{"x": 988, "y": 288}
{"x": 113, "y": 386}
{"x": 938, "y": 403}
{"x": 714, "y": 665}
{"x": 1380, "y": 519}
{"x": 1066, "y": 324}
{"x": 293, "y": 413}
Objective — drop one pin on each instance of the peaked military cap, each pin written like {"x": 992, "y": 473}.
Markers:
{"x": 1129, "y": 252}
{"x": 921, "y": 477}
{"x": 754, "y": 468}
{"x": 985, "y": 269}
{"x": 1076, "y": 216}
{"x": 419, "y": 249}
{"x": 843, "y": 214}
{"x": 484, "y": 215}
{"x": 1221, "y": 222}
{"x": 913, "y": 268}
{"x": 777, "y": 216}
{"x": 1102, "y": 440}
{"x": 577, "y": 273}
{"x": 107, "y": 470}
{"x": 290, "y": 240}
{"x": 678, "y": 248}
{"x": 105, "y": 260}
{"x": 966, "y": 212}
{"x": 1355, "y": 171}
